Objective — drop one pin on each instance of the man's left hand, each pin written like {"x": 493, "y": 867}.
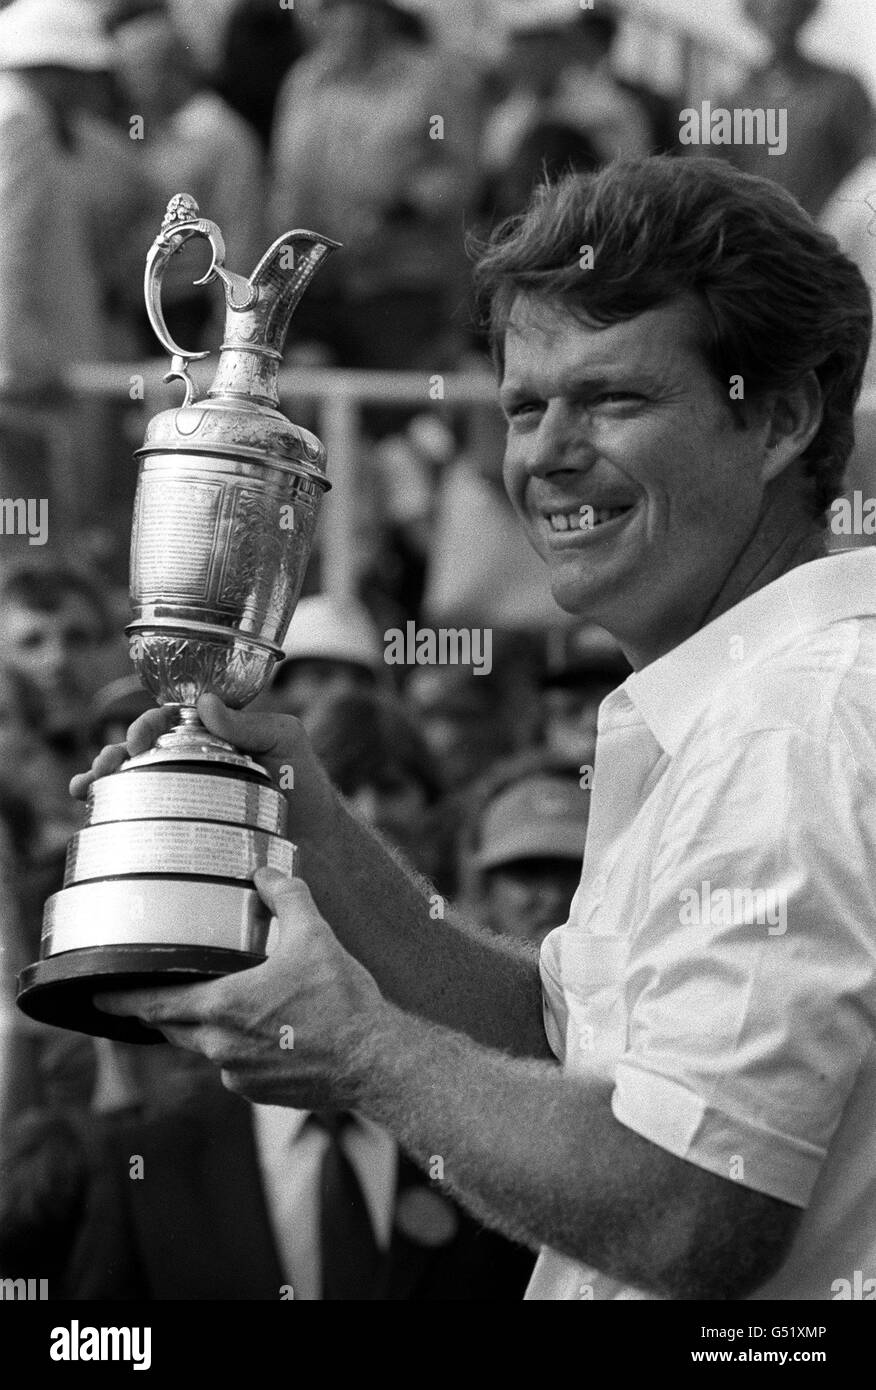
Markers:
{"x": 286, "y": 1032}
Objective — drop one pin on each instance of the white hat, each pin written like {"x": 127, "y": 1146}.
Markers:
{"x": 533, "y": 16}
{"x": 54, "y": 33}
{"x": 329, "y": 629}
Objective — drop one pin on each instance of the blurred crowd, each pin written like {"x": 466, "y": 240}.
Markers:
{"x": 346, "y": 116}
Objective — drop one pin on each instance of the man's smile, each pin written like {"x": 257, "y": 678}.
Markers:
{"x": 564, "y": 527}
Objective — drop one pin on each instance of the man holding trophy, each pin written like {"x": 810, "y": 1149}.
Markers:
{"x": 671, "y": 1104}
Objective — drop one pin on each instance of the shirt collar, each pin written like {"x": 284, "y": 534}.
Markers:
{"x": 285, "y": 1125}
{"x": 671, "y": 692}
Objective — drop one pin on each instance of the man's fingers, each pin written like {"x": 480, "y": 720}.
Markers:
{"x": 280, "y": 892}
{"x": 144, "y": 731}
{"x": 107, "y": 760}
{"x": 141, "y": 736}
{"x": 181, "y": 1006}
{"x": 289, "y": 899}
{"x": 276, "y": 737}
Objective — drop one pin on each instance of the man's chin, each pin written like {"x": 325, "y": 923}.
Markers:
{"x": 580, "y": 599}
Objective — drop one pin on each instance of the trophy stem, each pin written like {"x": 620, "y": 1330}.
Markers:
{"x": 189, "y": 720}
{"x": 189, "y": 734}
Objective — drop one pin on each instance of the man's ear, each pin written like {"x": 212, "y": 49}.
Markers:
{"x": 794, "y": 418}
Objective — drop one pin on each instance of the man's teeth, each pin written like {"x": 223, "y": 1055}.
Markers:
{"x": 585, "y": 519}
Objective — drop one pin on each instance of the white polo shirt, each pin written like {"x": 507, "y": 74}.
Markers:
{"x": 719, "y": 961}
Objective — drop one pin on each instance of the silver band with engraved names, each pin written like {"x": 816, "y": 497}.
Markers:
{"x": 186, "y": 795}
{"x": 173, "y": 847}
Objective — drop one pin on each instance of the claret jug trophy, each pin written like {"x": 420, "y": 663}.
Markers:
{"x": 158, "y": 884}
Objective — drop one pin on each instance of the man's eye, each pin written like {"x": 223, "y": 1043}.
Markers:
{"x": 612, "y": 397}
{"x": 522, "y": 410}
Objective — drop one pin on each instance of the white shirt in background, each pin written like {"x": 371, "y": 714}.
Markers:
{"x": 290, "y": 1153}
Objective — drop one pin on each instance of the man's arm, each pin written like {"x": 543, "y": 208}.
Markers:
{"x": 539, "y": 1155}
{"x": 448, "y": 971}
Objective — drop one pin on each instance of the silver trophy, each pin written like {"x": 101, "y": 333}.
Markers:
{"x": 158, "y": 884}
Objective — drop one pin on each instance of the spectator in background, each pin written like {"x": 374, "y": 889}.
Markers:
{"x": 396, "y": 513}
{"x": 523, "y": 848}
{"x": 467, "y": 721}
{"x": 583, "y": 666}
{"x": 54, "y": 630}
{"x": 375, "y": 755}
{"x": 332, "y": 648}
{"x": 561, "y": 85}
{"x": 262, "y": 41}
{"x": 828, "y": 111}
{"x": 193, "y": 142}
{"x": 550, "y": 149}
{"x": 375, "y": 143}
{"x": 55, "y": 64}
{"x": 54, "y": 627}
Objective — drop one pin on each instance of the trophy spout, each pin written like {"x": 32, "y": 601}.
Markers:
{"x": 258, "y": 310}
{"x": 255, "y": 331}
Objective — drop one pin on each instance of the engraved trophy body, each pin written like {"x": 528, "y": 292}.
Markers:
{"x": 158, "y": 884}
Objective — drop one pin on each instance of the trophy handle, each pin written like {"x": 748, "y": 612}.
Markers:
{"x": 181, "y": 222}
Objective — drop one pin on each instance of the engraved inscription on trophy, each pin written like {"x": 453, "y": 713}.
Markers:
{"x": 157, "y": 795}
{"x": 177, "y": 525}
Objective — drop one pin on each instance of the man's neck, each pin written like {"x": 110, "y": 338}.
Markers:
{"x": 785, "y": 537}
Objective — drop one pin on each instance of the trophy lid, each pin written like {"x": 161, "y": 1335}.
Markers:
{"x": 240, "y": 415}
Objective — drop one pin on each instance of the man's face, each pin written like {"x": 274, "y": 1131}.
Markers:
{"x": 56, "y": 652}
{"x": 627, "y": 418}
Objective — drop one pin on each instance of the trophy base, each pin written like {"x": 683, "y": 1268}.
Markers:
{"x": 61, "y": 989}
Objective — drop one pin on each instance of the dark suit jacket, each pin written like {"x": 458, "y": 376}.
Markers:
{"x": 196, "y": 1225}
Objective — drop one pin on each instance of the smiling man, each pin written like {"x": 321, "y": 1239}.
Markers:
{"x": 673, "y": 1101}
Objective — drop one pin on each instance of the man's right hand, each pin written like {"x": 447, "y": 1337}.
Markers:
{"x": 277, "y": 741}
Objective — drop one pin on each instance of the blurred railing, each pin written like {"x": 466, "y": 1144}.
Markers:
{"x": 339, "y": 397}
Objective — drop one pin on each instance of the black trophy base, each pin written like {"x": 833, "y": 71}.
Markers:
{"x": 61, "y": 989}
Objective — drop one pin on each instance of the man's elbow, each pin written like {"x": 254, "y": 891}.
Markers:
{"x": 730, "y": 1255}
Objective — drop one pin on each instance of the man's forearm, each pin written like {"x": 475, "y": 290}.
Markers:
{"x": 528, "y": 1150}
{"x": 538, "y": 1154}
{"x": 436, "y": 966}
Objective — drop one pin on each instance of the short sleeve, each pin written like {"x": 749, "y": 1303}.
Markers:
{"x": 750, "y": 983}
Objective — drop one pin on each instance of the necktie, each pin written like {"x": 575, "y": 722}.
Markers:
{"x": 352, "y": 1263}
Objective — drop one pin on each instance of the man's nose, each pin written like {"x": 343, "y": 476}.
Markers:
{"x": 561, "y": 442}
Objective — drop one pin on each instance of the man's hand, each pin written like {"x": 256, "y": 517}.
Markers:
{"x": 286, "y": 1032}
{"x": 277, "y": 741}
